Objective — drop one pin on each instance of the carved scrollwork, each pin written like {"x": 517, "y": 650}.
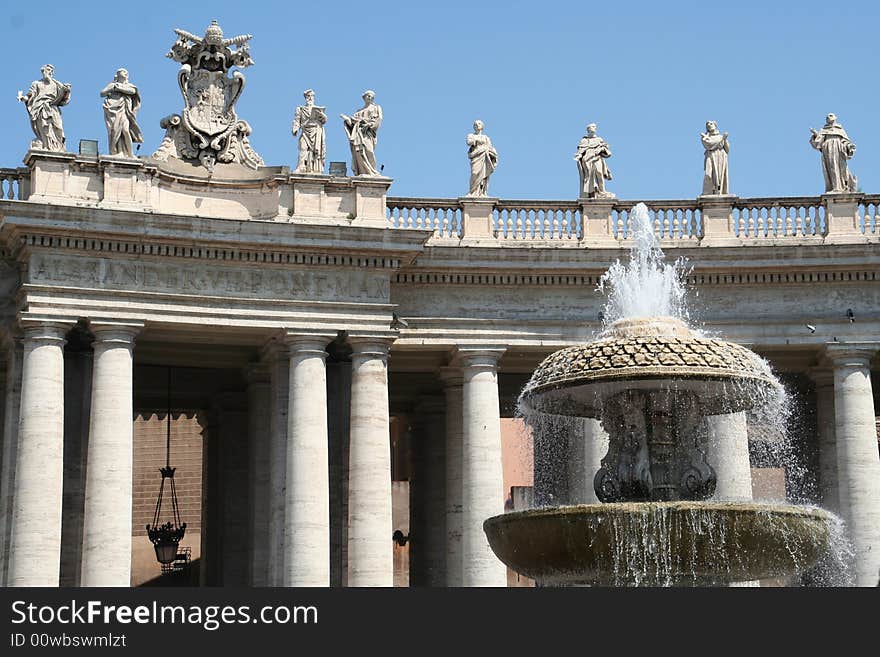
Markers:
{"x": 208, "y": 129}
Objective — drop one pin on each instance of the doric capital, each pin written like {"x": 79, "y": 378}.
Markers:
{"x": 38, "y": 330}
{"x": 851, "y": 354}
{"x": 307, "y": 342}
{"x": 257, "y": 373}
{"x": 451, "y": 376}
{"x": 822, "y": 376}
{"x": 366, "y": 347}
{"x": 479, "y": 356}
{"x": 114, "y": 334}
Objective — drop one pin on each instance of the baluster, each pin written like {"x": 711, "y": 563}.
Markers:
{"x": 519, "y": 229}
{"x": 789, "y": 225}
{"x": 751, "y": 222}
{"x": 10, "y": 193}
{"x": 667, "y": 222}
{"x": 555, "y": 232}
{"x": 566, "y": 224}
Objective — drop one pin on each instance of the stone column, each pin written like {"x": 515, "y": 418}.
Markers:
{"x": 585, "y": 457}
{"x": 453, "y": 381}
{"x": 279, "y": 365}
{"x": 858, "y": 460}
{"x": 728, "y": 453}
{"x": 482, "y": 478}
{"x": 35, "y": 545}
{"x": 78, "y": 371}
{"x": 427, "y": 488}
{"x": 259, "y": 391}
{"x": 10, "y": 448}
{"x": 106, "y": 549}
{"x": 370, "y": 556}
{"x": 307, "y": 508}
{"x": 338, "y": 412}
{"x": 825, "y": 421}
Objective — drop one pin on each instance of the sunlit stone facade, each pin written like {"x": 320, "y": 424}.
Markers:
{"x": 327, "y": 340}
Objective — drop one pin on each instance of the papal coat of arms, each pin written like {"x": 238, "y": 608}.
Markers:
{"x": 208, "y": 130}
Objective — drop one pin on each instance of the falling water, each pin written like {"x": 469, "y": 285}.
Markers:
{"x": 653, "y": 546}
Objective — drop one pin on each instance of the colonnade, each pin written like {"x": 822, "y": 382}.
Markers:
{"x": 288, "y": 460}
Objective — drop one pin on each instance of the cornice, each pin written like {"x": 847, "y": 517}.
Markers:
{"x": 27, "y": 226}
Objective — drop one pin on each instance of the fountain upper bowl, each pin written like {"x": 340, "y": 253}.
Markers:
{"x": 648, "y": 353}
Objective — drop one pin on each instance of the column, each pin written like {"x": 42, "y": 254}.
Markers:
{"x": 233, "y": 489}
{"x": 78, "y": 370}
{"x": 10, "y": 448}
{"x": 858, "y": 460}
{"x": 452, "y": 388}
{"x": 728, "y": 453}
{"x": 259, "y": 392}
{"x": 35, "y": 545}
{"x": 279, "y": 364}
{"x": 427, "y": 488}
{"x": 825, "y": 421}
{"x": 338, "y": 412}
{"x": 482, "y": 479}
{"x": 370, "y": 558}
{"x": 307, "y": 505}
{"x": 585, "y": 458}
{"x": 106, "y": 550}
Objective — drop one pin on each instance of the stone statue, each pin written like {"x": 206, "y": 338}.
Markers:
{"x": 361, "y": 129}
{"x": 42, "y": 101}
{"x": 591, "y": 154}
{"x": 121, "y": 104}
{"x": 208, "y": 130}
{"x": 715, "y": 181}
{"x": 836, "y": 149}
{"x": 309, "y": 120}
{"x": 484, "y": 160}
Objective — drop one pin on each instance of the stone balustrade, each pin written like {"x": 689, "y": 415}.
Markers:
{"x": 14, "y": 184}
{"x": 276, "y": 194}
{"x": 721, "y": 220}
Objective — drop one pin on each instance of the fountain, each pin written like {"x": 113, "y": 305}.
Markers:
{"x": 652, "y": 382}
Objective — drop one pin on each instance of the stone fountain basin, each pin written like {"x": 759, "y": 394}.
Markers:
{"x": 660, "y": 543}
{"x": 650, "y": 354}
{"x": 716, "y": 396}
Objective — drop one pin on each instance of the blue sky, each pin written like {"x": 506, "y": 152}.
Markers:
{"x": 648, "y": 73}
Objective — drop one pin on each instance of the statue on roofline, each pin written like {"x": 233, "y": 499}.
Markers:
{"x": 208, "y": 130}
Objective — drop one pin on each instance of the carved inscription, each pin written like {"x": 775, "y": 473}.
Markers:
{"x": 208, "y": 280}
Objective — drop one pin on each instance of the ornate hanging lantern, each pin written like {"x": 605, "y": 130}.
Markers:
{"x": 166, "y": 537}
